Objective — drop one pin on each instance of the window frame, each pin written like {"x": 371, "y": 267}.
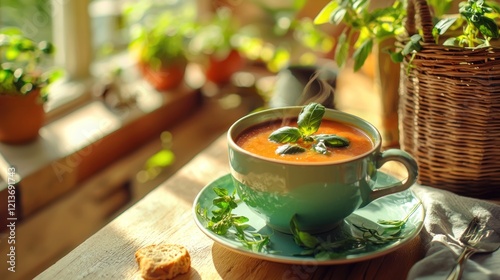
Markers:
{"x": 71, "y": 35}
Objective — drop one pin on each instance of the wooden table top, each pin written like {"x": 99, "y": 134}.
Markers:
{"x": 165, "y": 216}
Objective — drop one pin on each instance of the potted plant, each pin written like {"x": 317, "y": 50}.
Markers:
{"x": 213, "y": 46}
{"x": 364, "y": 26}
{"x": 159, "y": 44}
{"x": 449, "y": 88}
{"x": 23, "y": 86}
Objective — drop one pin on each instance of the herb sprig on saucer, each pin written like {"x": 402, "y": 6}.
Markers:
{"x": 308, "y": 123}
{"x": 328, "y": 249}
{"x": 224, "y": 221}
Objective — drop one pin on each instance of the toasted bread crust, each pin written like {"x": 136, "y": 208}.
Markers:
{"x": 163, "y": 261}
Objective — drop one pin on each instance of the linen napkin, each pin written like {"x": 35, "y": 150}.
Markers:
{"x": 447, "y": 215}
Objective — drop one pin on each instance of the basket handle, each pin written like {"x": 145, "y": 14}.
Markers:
{"x": 419, "y": 8}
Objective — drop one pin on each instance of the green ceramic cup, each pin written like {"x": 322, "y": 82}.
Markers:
{"x": 321, "y": 195}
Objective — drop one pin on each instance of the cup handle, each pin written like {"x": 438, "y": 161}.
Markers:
{"x": 411, "y": 167}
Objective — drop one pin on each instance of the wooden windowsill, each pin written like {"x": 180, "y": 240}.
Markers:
{"x": 73, "y": 147}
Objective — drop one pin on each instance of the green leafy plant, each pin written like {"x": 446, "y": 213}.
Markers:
{"x": 22, "y": 70}
{"x": 328, "y": 249}
{"x": 369, "y": 25}
{"x": 223, "y": 221}
{"x": 477, "y": 19}
{"x": 215, "y": 36}
{"x": 159, "y": 39}
{"x": 214, "y": 47}
{"x": 295, "y": 138}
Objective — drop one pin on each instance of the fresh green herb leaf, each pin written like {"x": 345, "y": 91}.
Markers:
{"x": 450, "y": 42}
{"x": 332, "y": 140}
{"x": 443, "y": 25}
{"x": 324, "y": 15}
{"x": 306, "y": 240}
{"x": 361, "y": 54}
{"x": 310, "y": 118}
{"x": 412, "y": 45}
{"x": 487, "y": 26}
{"x": 301, "y": 238}
{"x": 289, "y": 149}
{"x": 342, "y": 50}
{"x": 338, "y": 15}
{"x": 396, "y": 56}
{"x": 221, "y": 192}
{"x": 240, "y": 220}
{"x": 285, "y": 134}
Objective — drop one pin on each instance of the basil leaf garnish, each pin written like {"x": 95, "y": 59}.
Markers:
{"x": 320, "y": 147}
{"x": 332, "y": 140}
{"x": 289, "y": 149}
{"x": 309, "y": 121}
{"x": 310, "y": 118}
{"x": 285, "y": 134}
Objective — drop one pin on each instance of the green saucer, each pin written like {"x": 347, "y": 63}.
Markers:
{"x": 285, "y": 250}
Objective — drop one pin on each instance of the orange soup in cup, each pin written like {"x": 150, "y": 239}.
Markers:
{"x": 255, "y": 140}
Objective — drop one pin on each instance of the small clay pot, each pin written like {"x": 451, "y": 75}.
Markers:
{"x": 167, "y": 77}
{"x": 219, "y": 71}
{"x": 21, "y": 117}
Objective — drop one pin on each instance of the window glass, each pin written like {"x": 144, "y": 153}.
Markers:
{"x": 33, "y": 17}
{"x": 109, "y": 34}
{"x": 111, "y": 21}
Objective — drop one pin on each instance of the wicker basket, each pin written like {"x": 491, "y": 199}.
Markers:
{"x": 450, "y": 112}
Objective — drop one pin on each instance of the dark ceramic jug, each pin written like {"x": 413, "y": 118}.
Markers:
{"x": 301, "y": 85}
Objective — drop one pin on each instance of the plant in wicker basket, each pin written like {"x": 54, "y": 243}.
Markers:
{"x": 449, "y": 107}
{"x": 450, "y": 102}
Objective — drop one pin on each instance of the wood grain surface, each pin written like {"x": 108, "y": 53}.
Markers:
{"x": 165, "y": 216}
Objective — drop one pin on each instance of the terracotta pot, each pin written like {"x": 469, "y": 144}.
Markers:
{"x": 21, "y": 117}
{"x": 219, "y": 71}
{"x": 165, "y": 78}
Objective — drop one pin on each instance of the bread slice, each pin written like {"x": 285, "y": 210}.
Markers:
{"x": 163, "y": 261}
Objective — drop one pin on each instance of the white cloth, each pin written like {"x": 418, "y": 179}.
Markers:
{"x": 447, "y": 215}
